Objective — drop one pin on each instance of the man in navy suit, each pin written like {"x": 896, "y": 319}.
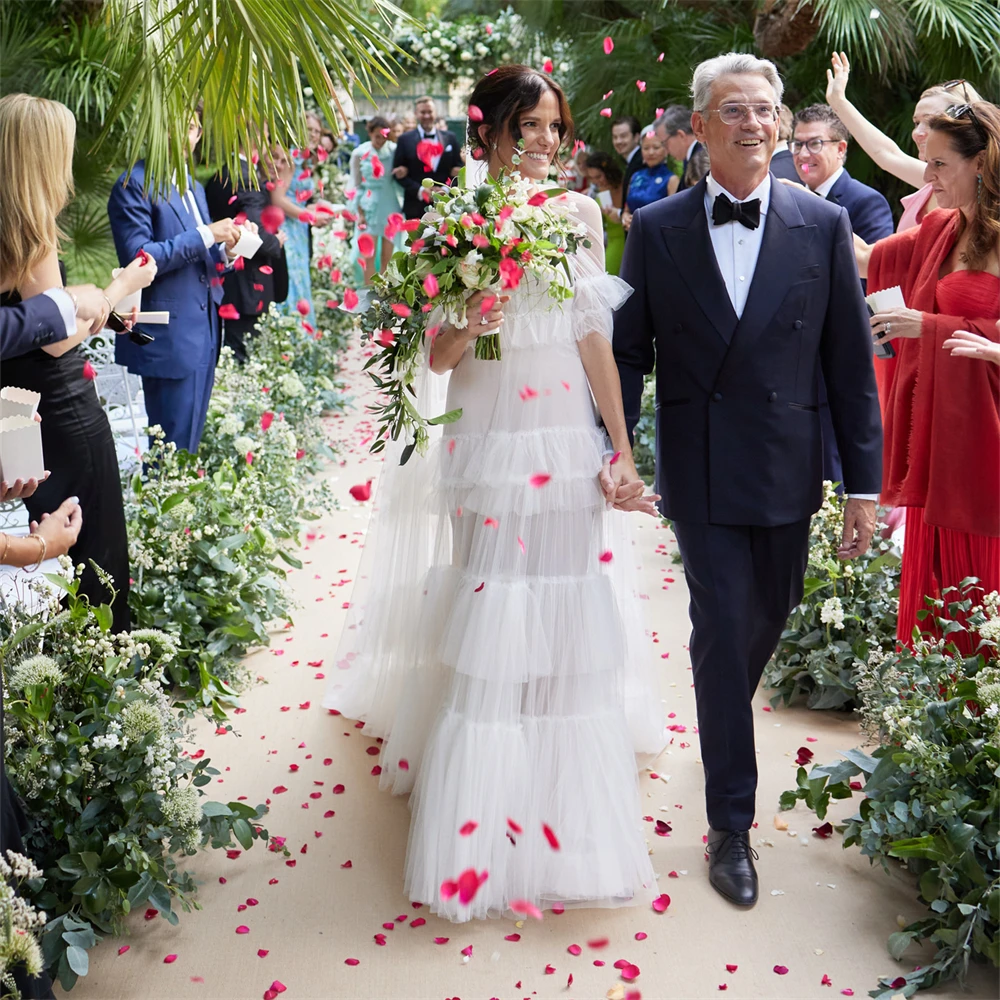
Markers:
{"x": 441, "y": 159}
{"x": 762, "y": 290}
{"x": 178, "y": 367}
{"x": 819, "y": 148}
{"x": 674, "y": 128}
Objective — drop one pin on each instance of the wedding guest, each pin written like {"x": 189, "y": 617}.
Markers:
{"x": 293, "y": 188}
{"x": 426, "y": 151}
{"x": 50, "y": 538}
{"x": 883, "y": 150}
{"x": 36, "y": 145}
{"x": 739, "y": 453}
{"x": 942, "y": 426}
{"x": 782, "y": 162}
{"x": 264, "y": 278}
{"x": 606, "y": 177}
{"x": 819, "y": 149}
{"x": 653, "y": 181}
{"x": 625, "y": 135}
{"x": 176, "y": 231}
{"x": 396, "y": 128}
{"x": 674, "y": 128}
{"x": 377, "y": 196}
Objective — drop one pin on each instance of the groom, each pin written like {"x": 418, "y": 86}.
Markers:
{"x": 745, "y": 290}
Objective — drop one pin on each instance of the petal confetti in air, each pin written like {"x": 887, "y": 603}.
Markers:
{"x": 606, "y": 556}
{"x": 88, "y": 371}
{"x": 468, "y": 828}
{"x": 366, "y": 245}
{"x": 350, "y": 298}
{"x": 605, "y": 112}
{"x": 362, "y": 492}
{"x": 641, "y": 84}
{"x": 228, "y": 311}
{"x": 550, "y": 837}
{"x": 539, "y": 479}
{"x": 547, "y": 66}
{"x": 515, "y": 827}
{"x": 475, "y": 113}
{"x": 615, "y": 457}
{"x": 609, "y": 45}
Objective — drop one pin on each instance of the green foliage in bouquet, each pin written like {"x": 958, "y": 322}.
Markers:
{"x": 95, "y": 751}
{"x": 848, "y": 609}
{"x": 202, "y": 547}
{"x": 470, "y": 239}
{"x": 932, "y": 798}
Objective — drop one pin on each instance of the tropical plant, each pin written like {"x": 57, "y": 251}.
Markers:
{"x": 931, "y": 796}
{"x": 848, "y": 609}
{"x": 95, "y": 751}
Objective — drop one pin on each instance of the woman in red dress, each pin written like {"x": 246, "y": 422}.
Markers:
{"x": 942, "y": 415}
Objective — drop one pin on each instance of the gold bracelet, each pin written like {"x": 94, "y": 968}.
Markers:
{"x": 6, "y": 546}
{"x": 41, "y": 554}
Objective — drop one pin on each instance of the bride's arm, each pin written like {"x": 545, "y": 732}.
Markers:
{"x": 451, "y": 343}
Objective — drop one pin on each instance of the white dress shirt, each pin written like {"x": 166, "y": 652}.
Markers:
{"x": 66, "y": 307}
{"x": 737, "y": 249}
{"x": 827, "y": 186}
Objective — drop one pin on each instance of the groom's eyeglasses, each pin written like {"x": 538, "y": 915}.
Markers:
{"x": 736, "y": 114}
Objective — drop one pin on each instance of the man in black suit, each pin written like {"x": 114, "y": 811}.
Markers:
{"x": 782, "y": 161}
{"x": 763, "y": 290}
{"x": 625, "y": 135}
{"x": 264, "y": 278}
{"x": 674, "y": 129}
{"x": 425, "y": 151}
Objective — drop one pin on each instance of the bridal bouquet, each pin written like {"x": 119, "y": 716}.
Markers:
{"x": 471, "y": 239}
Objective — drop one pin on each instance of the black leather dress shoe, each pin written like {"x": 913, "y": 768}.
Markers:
{"x": 730, "y": 865}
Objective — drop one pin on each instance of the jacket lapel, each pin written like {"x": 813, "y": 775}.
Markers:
{"x": 836, "y": 193}
{"x": 783, "y": 251}
{"x": 181, "y": 210}
{"x": 690, "y": 248}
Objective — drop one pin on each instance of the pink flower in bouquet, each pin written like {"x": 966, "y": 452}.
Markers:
{"x": 511, "y": 273}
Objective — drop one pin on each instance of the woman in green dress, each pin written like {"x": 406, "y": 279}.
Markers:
{"x": 606, "y": 176}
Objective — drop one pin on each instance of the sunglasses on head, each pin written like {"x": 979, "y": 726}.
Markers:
{"x": 957, "y": 83}
{"x": 968, "y": 111}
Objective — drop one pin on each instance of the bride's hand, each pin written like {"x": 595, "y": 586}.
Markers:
{"x": 623, "y": 487}
{"x": 481, "y": 322}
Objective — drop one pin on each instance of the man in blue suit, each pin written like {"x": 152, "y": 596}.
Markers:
{"x": 819, "y": 148}
{"x": 178, "y": 367}
{"x": 744, "y": 288}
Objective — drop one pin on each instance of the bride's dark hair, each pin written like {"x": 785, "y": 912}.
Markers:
{"x": 503, "y": 95}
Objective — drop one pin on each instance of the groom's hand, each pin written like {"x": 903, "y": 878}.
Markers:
{"x": 859, "y": 527}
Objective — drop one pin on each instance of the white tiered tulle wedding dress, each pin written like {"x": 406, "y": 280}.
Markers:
{"x": 502, "y": 660}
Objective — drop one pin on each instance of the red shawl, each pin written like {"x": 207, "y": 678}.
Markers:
{"x": 942, "y": 416}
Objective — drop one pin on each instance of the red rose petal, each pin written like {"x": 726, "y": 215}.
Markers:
{"x": 731, "y": 968}
{"x": 661, "y": 903}
{"x": 351, "y": 961}
{"x": 468, "y": 828}
{"x": 169, "y": 959}
{"x": 781, "y": 970}
{"x": 125, "y": 947}
{"x": 574, "y": 949}
{"x": 243, "y": 929}
{"x": 550, "y": 837}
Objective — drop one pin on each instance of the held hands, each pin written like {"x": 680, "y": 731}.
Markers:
{"x": 61, "y": 528}
{"x": 399, "y": 172}
{"x": 836, "y": 81}
{"x": 859, "y": 527}
{"x": 964, "y": 344}
{"x": 895, "y": 323}
{"x": 624, "y": 489}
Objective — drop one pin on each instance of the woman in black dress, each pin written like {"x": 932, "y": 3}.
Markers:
{"x": 36, "y": 146}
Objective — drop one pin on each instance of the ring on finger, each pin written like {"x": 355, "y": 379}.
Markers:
{"x": 888, "y": 325}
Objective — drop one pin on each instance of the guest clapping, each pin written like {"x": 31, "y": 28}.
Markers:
{"x": 942, "y": 428}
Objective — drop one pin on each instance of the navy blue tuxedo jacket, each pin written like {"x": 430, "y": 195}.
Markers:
{"x": 165, "y": 228}
{"x": 31, "y": 323}
{"x": 737, "y": 407}
{"x": 871, "y": 217}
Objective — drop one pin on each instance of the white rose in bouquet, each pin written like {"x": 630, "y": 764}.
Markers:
{"x": 471, "y": 273}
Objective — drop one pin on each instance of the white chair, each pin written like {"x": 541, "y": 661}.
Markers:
{"x": 121, "y": 395}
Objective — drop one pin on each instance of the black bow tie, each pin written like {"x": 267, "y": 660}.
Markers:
{"x": 746, "y": 213}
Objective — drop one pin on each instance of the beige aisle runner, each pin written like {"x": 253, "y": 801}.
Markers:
{"x": 331, "y": 920}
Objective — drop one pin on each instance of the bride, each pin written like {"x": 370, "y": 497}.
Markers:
{"x": 495, "y": 640}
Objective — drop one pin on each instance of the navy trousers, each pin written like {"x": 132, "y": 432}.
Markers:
{"x": 180, "y": 405}
{"x": 743, "y": 580}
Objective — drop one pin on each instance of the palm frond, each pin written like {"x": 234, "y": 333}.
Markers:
{"x": 246, "y": 59}
{"x": 879, "y": 37}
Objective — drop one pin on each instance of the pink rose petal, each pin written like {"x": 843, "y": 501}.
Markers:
{"x": 574, "y": 949}
{"x": 661, "y": 903}
{"x": 468, "y": 828}
{"x": 170, "y": 959}
{"x": 781, "y": 970}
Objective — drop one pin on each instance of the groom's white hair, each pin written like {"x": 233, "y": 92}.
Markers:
{"x": 732, "y": 63}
